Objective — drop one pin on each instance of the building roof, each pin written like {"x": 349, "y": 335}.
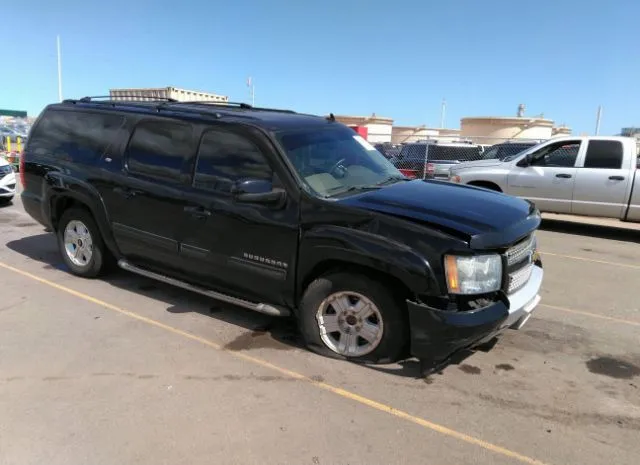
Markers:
{"x": 371, "y": 119}
{"x": 516, "y": 120}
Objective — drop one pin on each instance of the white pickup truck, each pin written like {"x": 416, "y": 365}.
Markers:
{"x": 591, "y": 176}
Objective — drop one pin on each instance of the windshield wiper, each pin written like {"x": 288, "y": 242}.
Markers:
{"x": 388, "y": 180}
{"x": 336, "y": 191}
{"x": 365, "y": 187}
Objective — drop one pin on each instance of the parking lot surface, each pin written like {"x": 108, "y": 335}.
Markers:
{"x": 128, "y": 370}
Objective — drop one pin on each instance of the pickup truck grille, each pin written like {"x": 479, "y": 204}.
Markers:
{"x": 520, "y": 264}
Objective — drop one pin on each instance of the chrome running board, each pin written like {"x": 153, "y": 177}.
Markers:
{"x": 261, "y": 308}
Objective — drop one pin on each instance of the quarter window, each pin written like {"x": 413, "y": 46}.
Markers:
{"x": 224, "y": 158}
{"x": 159, "y": 149}
{"x": 413, "y": 152}
{"x": 81, "y": 137}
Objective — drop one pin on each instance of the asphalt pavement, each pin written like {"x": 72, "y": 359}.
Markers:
{"x": 127, "y": 370}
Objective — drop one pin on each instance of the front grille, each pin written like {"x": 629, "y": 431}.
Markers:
{"x": 520, "y": 263}
{"x": 519, "y": 278}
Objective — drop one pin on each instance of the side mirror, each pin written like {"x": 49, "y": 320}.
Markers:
{"x": 524, "y": 162}
{"x": 257, "y": 191}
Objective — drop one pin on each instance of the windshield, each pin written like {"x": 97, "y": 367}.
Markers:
{"x": 490, "y": 153}
{"x": 335, "y": 160}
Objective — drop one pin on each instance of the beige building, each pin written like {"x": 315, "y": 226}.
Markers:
{"x": 404, "y": 134}
{"x": 561, "y": 130}
{"x": 379, "y": 128}
{"x": 495, "y": 129}
{"x": 154, "y": 93}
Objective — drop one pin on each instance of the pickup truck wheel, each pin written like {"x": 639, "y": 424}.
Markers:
{"x": 80, "y": 243}
{"x": 352, "y": 317}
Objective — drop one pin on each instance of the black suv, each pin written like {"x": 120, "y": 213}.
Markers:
{"x": 285, "y": 214}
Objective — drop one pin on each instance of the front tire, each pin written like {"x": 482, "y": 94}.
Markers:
{"x": 6, "y": 200}
{"x": 353, "y": 317}
{"x": 81, "y": 244}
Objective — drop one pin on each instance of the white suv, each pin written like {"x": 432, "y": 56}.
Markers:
{"x": 7, "y": 182}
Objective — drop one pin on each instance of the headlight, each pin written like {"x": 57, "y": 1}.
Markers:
{"x": 474, "y": 274}
{"x": 534, "y": 249}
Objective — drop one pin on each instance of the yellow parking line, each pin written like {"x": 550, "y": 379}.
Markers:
{"x": 573, "y": 257}
{"x": 593, "y": 315}
{"x": 292, "y": 374}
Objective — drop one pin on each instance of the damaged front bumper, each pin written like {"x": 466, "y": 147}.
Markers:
{"x": 438, "y": 334}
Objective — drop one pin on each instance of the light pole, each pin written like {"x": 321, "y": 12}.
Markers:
{"x": 252, "y": 90}
{"x": 59, "y": 69}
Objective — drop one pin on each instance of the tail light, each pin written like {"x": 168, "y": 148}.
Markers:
{"x": 21, "y": 164}
{"x": 411, "y": 174}
{"x": 431, "y": 169}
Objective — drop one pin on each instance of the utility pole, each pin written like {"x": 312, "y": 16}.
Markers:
{"x": 59, "y": 69}
{"x": 598, "y": 117}
{"x": 442, "y": 112}
{"x": 252, "y": 91}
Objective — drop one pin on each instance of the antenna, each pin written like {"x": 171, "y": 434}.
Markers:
{"x": 59, "y": 69}
{"x": 442, "y": 112}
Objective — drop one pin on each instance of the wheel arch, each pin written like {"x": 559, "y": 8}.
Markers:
{"x": 486, "y": 185}
{"x": 333, "y": 248}
{"x": 70, "y": 193}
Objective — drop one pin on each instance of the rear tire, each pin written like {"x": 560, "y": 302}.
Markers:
{"x": 81, "y": 244}
{"x": 352, "y": 317}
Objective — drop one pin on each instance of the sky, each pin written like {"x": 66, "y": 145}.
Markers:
{"x": 397, "y": 58}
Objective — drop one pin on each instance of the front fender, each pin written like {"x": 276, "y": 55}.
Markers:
{"x": 59, "y": 185}
{"x": 329, "y": 243}
{"x": 498, "y": 178}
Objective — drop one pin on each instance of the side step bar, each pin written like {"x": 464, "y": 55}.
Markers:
{"x": 262, "y": 308}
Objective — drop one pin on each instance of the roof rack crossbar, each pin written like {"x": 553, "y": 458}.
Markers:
{"x": 241, "y": 105}
{"x": 111, "y": 98}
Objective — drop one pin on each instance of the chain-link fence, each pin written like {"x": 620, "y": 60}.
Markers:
{"x": 13, "y": 136}
{"x": 432, "y": 158}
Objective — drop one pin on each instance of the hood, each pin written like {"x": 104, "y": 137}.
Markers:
{"x": 486, "y": 218}
{"x": 477, "y": 164}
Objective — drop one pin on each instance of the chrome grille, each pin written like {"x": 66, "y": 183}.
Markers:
{"x": 520, "y": 251}
{"x": 519, "y": 263}
{"x": 519, "y": 278}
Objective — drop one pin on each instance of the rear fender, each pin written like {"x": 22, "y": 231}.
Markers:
{"x": 59, "y": 186}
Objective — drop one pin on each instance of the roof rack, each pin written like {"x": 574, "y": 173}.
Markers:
{"x": 111, "y": 99}
{"x": 242, "y": 105}
{"x": 168, "y": 104}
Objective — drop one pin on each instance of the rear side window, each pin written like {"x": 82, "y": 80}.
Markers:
{"x": 605, "y": 154}
{"x": 224, "y": 158}
{"x": 454, "y": 152}
{"x": 81, "y": 137}
{"x": 413, "y": 152}
{"x": 159, "y": 149}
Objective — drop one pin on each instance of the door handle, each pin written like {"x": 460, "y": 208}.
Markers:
{"x": 125, "y": 192}
{"x": 198, "y": 212}
{"x": 616, "y": 178}
{"x": 563, "y": 176}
